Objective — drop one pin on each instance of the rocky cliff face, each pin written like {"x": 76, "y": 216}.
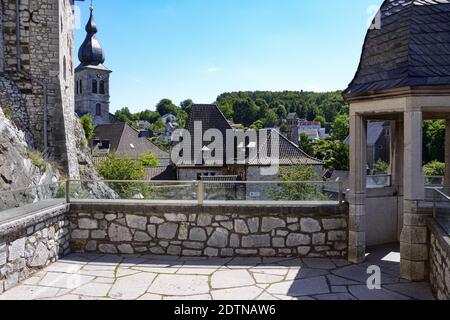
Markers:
{"x": 23, "y": 167}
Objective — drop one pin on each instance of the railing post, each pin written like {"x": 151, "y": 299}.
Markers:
{"x": 67, "y": 191}
{"x": 200, "y": 192}
{"x": 341, "y": 193}
{"x": 434, "y": 203}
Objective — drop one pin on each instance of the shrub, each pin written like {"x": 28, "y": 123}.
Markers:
{"x": 37, "y": 159}
{"x": 298, "y": 191}
{"x": 381, "y": 167}
{"x": 8, "y": 112}
{"x": 88, "y": 126}
{"x": 434, "y": 169}
{"x": 122, "y": 168}
{"x": 149, "y": 159}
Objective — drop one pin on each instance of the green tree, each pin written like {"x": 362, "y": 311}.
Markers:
{"x": 334, "y": 153}
{"x": 166, "y": 106}
{"x": 148, "y": 115}
{"x": 257, "y": 125}
{"x": 149, "y": 159}
{"x": 270, "y": 119}
{"x": 88, "y": 126}
{"x": 281, "y": 112}
{"x": 433, "y": 140}
{"x": 298, "y": 191}
{"x": 321, "y": 119}
{"x": 245, "y": 111}
{"x": 186, "y": 105}
{"x": 341, "y": 127}
{"x": 305, "y": 144}
{"x": 125, "y": 115}
{"x": 227, "y": 109}
{"x": 158, "y": 126}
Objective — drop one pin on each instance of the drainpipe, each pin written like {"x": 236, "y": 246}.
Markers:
{"x": 26, "y": 74}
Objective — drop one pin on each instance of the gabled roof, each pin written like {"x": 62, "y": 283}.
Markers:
{"x": 126, "y": 141}
{"x": 288, "y": 154}
{"x": 409, "y": 48}
{"x": 212, "y": 118}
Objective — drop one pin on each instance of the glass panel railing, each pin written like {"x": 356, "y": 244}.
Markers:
{"x": 133, "y": 190}
{"x": 434, "y": 181}
{"x": 378, "y": 181}
{"x": 38, "y": 196}
{"x": 441, "y": 207}
{"x": 295, "y": 191}
{"x": 206, "y": 190}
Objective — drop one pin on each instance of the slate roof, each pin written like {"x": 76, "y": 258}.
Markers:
{"x": 212, "y": 117}
{"x": 126, "y": 141}
{"x": 411, "y": 47}
{"x": 375, "y": 130}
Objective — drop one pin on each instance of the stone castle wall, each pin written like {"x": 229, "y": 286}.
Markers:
{"x": 30, "y": 244}
{"x": 214, "y": 232}
{"x": 46, "y": 56}
{"x": 439, "y": 263}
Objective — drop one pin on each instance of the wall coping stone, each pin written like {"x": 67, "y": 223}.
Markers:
{"x": 32, "y": 219}
{"x": 256, "y": 209}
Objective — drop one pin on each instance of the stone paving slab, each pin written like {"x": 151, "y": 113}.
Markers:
{"x": 146, "y": 277}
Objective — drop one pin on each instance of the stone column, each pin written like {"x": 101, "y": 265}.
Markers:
{"x": 413, "y": 240}
{"x": 357, "y": 183}
{"x": 447, "y": 157}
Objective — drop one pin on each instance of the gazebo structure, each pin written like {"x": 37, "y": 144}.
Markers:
{"x": 403, "y": 77}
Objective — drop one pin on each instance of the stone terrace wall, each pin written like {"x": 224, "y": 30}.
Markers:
{"x": 439, "y": 262}
{"x": 211, "y": 231}
{"x": 29, "y": 244}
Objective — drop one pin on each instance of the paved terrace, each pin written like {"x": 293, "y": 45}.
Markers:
{"x": 143, "y": 277}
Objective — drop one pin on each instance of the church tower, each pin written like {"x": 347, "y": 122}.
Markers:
{"x": 92, "y": 78}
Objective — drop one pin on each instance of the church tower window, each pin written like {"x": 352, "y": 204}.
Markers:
{"x": 94, "y": 86}
{"x": 98, "y": 109}
{"x": 102, "y": 87}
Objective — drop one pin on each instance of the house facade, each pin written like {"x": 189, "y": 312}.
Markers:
{"x": 263, "y": 153}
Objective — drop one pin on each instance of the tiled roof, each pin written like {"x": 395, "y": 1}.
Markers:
{"x": 410, "y": 48}
{"x": 212, "y": 118}
{"x": 126, "y": 141}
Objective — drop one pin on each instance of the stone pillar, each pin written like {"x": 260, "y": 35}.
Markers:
{"x": 413, "y": 240}
{"x": 357, "y": 183}
{"x": 447, "y": 157}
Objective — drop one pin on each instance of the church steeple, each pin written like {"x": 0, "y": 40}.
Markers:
{"x": 92, "y": 78}
{"x": 91, "y": 52}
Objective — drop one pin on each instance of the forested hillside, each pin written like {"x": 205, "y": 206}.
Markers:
{"x": 269, "y": 107}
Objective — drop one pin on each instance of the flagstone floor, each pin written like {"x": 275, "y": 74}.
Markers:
{"x": 114, "y": 277}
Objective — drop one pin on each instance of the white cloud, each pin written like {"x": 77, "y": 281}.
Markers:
{"x": 213, "y": 69}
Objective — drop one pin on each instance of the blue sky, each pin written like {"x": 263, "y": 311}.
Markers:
{"x": 197, "y": 49}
